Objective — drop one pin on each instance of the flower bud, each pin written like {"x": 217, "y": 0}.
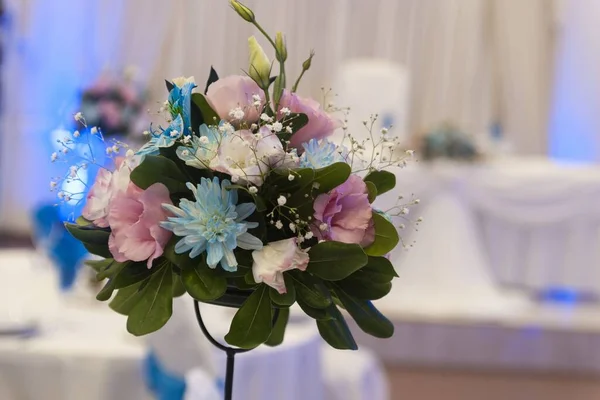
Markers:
{"x": 242, "y": 10}
{"x": 260, "y": 66}
{"x": 306, "y": 64}
{"x": 280, "y": 47}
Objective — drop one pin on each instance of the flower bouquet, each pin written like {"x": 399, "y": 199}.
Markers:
{"x": 242, "y": 201}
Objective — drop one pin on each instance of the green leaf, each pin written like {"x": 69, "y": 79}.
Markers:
{"x": 100, "y": 250}
{"x": 315, "y": 313}
{"x": 209, "y": 116}
{"x": 89, "y": 234}
{"x": 99, "y": 265}
{"x": 278, "y": 333}
{"x": 333, "y": 261}
{"x": 285, "y": 299}
{"x": 111, "y": 271}
{"x": 135, "y": 272}
{"x": 126, "y": 299}
{"x": 335, "y": 331}
{"x": 178, "y": 286}
{"x": 365, "y": 289}
{"x": 202, "y": 283}
{"x": 386, "y": 237}
{"x": 383, "y": 180}
{"x": 233, "y": 297}
{"x": 169, "y": 85}
{"x": 296, "y": 121}
{"x": 368, "y": 318}
{"x": 308, "y": 290}
{"x": 106, "y": 292}
{"x": 212, "y": 78}
{"x": 158, "y": 169}
{"x": 81, "y": 221}
{"x": 379, "y": 269}
{"x": 332, "y": 176}
{"x": 155, "y": 306}
{"x": 372, "y": 190}
{"x": 252, "y": 323}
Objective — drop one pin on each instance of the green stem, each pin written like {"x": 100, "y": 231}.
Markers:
{"x": 295, "y": 87}
{"x": 281, "y": 63}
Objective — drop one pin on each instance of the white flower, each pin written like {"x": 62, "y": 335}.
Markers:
{"x": 323, "y": 226}
{"x": 256, "y": 97}
{"x": 54, "y": 156}
{"x": 174, "y": 133}
{"x": 291, "y": 177}
{"x": 253, "y": 127}
{"x": 308, "y": 235}
{"x": 277, "y": 127}
{"x": 67, "y": 197}
{"x": 292, "y": 227}
{"x": 182, "y": 80}
{"x": 264, "y": 117}
{"x": 226, "y": 128}
{"x": 73, "y": 171}
{"x": 404, "y": 211}
{"x": 130, "y": 153}
{"x": 258, "y": 136}
{"x": 417, "y": 201}
{"x": 61, "y": 195}
{"x": 420, "y": 219}
{"x": 274, "y": 259}
{"x": 278, "y": 225}
{"x": 253, "y": 190}
{"x": 94, "y": 130}
{"x": 289, "y": 129}
{"x": 115, "y": 148}
{"x": 146, "y": 133}
{"x": 285, "y": 111}
{"x": 186, "y": 139}
{"x": 401, "y": 226}
{"x": 237, "y": 113}
{"x": 53, "y": 185}
{"x": 76, "y": 134}
{"x": 384, "y": 131}
{"x": 410, "y": 152}
{"x": 235, "y": 178}
{"x": 281, "y": 200}
{"x": 78, "y": 116}
{"x": 65, "y": 150}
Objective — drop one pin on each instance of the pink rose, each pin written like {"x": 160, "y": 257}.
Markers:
{"x": 106, "y": 186}
{"x": 232, "y": 92}
{"x": 345, "y": 214}
{"x": 274, "y": 259}
{"x": 320, "y": 124}
{"x": 134, "y": 216}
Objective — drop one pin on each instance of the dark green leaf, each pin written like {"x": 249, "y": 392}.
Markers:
{"x": 285, "y": 299}
{"x": 135, "y": 272}
{"x": 233, "y": 297}
{"x": 155, "y": 306}
{"x": 386, "y": 237}
{"x": 383, "y": 180}
{"x": 111, "y": 271}
{"x": 209, "y": 116}
{"x": 169, "y": 85}
{"x": 335, "y": 331}
{"x": 158, "y": 169}
{"x": 83, "y": 222}
{"x": 308, "y": 289}
{"x": 202, "y": 283}
{"x": 99, "y": 265}
{"x": 178, "y": 287}
{"x": 212, "y": 78}
{"x": 296, "y": 121}
{"x": 365, "y": 289}
{"x": 368, "y": 318}
{"x": 332, "y": 176}
{"x": 278, "y": 333}
{"x": 106, "y": 292}
{"x": 100, "y": 250}
{"x": 126, "y": 299}
{"x": 315, "y": 313}
{"x": 333, "y": 261}
{"x": 379, "y": 269}
{"x": 252, "y": 323}
{"x": 372, "y": 190}
{"x": 89, "y": 234}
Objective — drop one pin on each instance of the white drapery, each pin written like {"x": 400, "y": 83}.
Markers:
{"x": 450, "y": 47}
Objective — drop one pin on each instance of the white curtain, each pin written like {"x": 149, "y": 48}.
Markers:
{"x": 470, "y": 62}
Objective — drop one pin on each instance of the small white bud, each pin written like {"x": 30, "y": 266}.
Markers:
{"x": 256, "y": 97}
{"x": 289, "y": 129}
{"x": 115, "y": 148}
{"x": 410, "y": 152}
{"x": 65, "y": 150}
{"x": 186, "y": 139}
{"x": 253, "y": 190}
{"x": 146, "y": 133}
{"x": 292, "y": 227}
{"x": 61, "y": 195}
{"x": 76, "y": 134}
{"x": 237, "y": 113}
{"x": 401, "y": 226}
{"x": 281, "y": 200}
{"x": 174, "y": 133}
{"x": 291, "y": 177}
{"x": 278, "y": 225}
{"x": 277, "y": 127}
{"x": 253, "y": 127}
{"x": 54, "y": 156}
{"x": 53, "y": 185}
{"x": 235, "y": 178}
{"x": 285, "y": 111}
{"x": 94, "y": 130}
{"x": 420, "y": 219}
{"x": 308, "y": 235}
{"x": 384, "y": 131}
{"x": 404, "y": 211}
{"x": 264, "y": 117}
{"x": 78, "y": 117}
{"x": 316, "y": 185}
{"x": 109, "y": 150}
{"x": 67, "y": 197}
{"x": 130, "y": 153}
{"x": 323, "y": 226}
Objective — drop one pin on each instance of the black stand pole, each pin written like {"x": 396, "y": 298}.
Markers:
{"x": 230, "y": 351}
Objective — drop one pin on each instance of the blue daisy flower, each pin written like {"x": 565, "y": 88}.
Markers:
{"x": 319, "y": 154}
{"x": 214, "y": 224}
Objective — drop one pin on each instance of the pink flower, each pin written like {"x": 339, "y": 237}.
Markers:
{"x": 320, "y": 124}
{"x": 274, "y": 259}
{"x": 134, "y": 216}
{"x": 232, "y": 92}
{"x": 344, "y": 214}
{"x": 106, "y": 186}
{"x": 98, "y": 199}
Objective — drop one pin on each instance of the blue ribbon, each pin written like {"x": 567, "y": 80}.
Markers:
{"x": 164, "y": 385}
{"x": 64, "y": 250}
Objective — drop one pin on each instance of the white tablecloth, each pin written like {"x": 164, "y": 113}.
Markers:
{"x": 522, "y": 222}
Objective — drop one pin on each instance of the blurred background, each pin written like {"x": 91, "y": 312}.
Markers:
{"x": 499, "y": 280}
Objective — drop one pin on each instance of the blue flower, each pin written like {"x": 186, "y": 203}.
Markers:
{"x": 319, "y": 154}
{"x": 163, "y": 138}
{"x": 213, "y": 223}
{"x": 180, "y": 100}
{"x": 203, "y": 149}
